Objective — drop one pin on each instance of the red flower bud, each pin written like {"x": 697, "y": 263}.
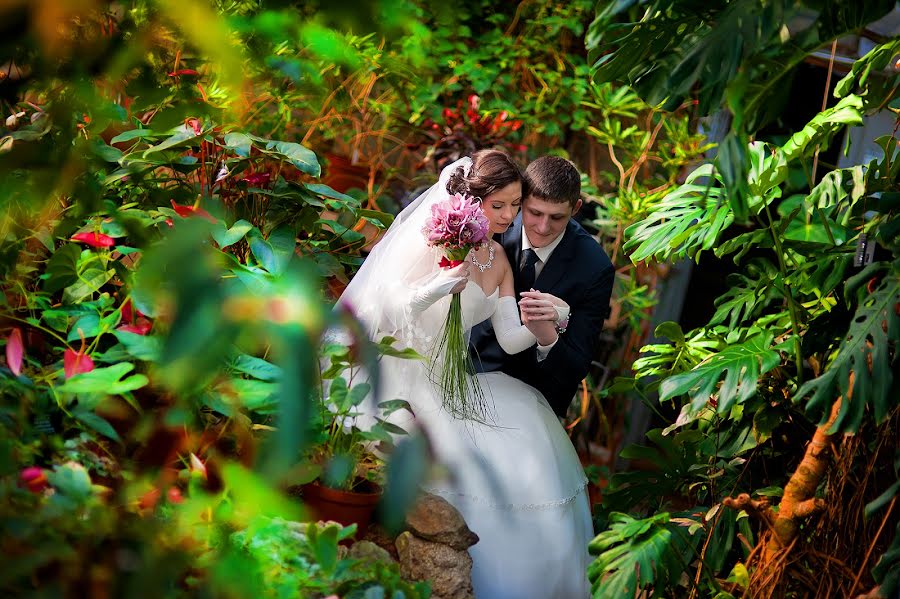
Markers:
{"x": 95, "y": 240}
{"x": 174, "y": 495}
{"x": 198, "y": 467}
{"x": 186, "y": 211}
{"x": 14, "y": 351}
{"x": 34, "y": 479}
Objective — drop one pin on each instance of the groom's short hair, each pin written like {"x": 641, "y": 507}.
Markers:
{"x": 553, "y": 179}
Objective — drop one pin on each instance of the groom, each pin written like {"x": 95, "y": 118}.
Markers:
{"x": 551, "y": 254}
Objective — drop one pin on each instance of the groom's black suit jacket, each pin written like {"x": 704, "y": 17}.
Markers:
{"x": 580, "y": 273}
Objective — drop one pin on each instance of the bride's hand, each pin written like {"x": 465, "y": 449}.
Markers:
{"x": 461, "y": 273}
{"x": 446, "y": 282}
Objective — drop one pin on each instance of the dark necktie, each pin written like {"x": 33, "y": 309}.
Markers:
{"x": 526, "y": 270}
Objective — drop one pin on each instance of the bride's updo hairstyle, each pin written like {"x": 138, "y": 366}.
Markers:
{"x": 491, "y": 171}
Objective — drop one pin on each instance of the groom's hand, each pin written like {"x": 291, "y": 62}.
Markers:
{"x": 537, "y": 305}
{"x": 539, "y": 314}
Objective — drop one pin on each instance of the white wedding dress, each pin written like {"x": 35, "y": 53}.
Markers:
{"x": 517, "y": 482}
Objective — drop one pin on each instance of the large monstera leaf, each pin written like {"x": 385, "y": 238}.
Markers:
{"x": 738, "y": 367}
{"x": 877, "y": 88}
{"x": 687, "y": 221}
{"x": 637, "y": 554}
{"x": 747, "y": 295}
{"x": 819, "y": 131}
{"x": 861, "y": 370}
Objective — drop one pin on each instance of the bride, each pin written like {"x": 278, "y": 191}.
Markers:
{"x": 517, "y": 479}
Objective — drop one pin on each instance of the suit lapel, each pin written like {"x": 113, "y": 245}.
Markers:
{"x": 560, "y": 260}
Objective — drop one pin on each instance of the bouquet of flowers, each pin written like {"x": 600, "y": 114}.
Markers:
{"x": 457, "y": 226}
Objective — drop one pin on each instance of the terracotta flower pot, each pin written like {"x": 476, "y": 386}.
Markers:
{"x": 342, "y": 174}
{"x": 346, "y": 507}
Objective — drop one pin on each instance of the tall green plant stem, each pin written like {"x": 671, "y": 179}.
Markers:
{"x": 792, "y": 305}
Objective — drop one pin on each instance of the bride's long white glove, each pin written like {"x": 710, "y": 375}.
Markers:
{"x": 403, "y": 301}
{"x": 445, "y": 282}
{"x": 511, "y": 334}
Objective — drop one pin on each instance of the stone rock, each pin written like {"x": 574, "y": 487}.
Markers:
{"x": 449, "y": 570}
{"x": 369, "y": 551}
{"x": 434, "y": 519}
{"x": 376, "y": 534}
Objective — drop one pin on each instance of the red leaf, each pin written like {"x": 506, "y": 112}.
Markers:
{"x": 141, "y": 327}
{"x": 181, "y": 72}
{"x": 195, "y": 125}
{"x": 187, "y": 211}
{"x": 257, "y": 179}
{"x": 14, "y": 351}
{"x": 446, "y": 263}
{"x": 149, "y": 499}
{"x": 95, "y": 240}
{"x": 76, "y": 363}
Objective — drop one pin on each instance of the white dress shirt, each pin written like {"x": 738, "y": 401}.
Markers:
{"x": 543, "y": 255}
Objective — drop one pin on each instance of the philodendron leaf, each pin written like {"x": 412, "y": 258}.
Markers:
{"x": 88, "y": 283}
{"x": 818, "y": 131}
{"x": 875, "y": 60}
{"x": 96, "y": 423}
{"x": 637, "y": 554}
{"x": 62, "y": 268}
{"x": 275, "y": 252}
{"x": 866, "y": 353}
{"x": 663, "y": 359}
{"x": 300, "y": 156}
{"x": 105, "y": 381}
{"x": 183, "y": 136}
{"x": 738, "y": 367}
{"x": 687, "y": 221}
{"x": 747, "y": 295}
{"x": 225, "y": 237}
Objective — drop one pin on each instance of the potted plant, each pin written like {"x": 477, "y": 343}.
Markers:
{"x": 347, "y": 452}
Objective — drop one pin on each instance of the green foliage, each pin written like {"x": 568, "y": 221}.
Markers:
{"x": 163, "y": 256}
{"x": 878, "y": 89}
{"x": 683, "y": 354}
{"x": 800, "y": 323}
{"x": 635, "y": 555}
{"x": 301, "y": 559}
{"x": 862, "y": 367}
{"x": 687, "y": 221}
{"x": 741, "y": 365}
{"x": 736, "y": 55}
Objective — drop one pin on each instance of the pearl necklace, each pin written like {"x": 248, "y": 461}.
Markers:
{"x": 484, "y": 267}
